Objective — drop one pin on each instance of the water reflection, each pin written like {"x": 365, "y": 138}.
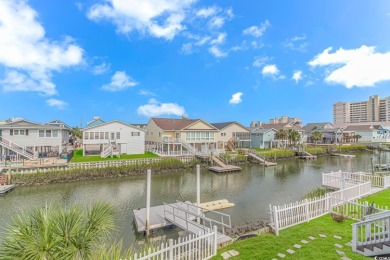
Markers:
{"x": 252, "y": 190}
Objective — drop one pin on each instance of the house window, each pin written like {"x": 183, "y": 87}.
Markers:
{"x": 91, "y": 135}
{"x": 134, "y": 133}
{"x": 96, "y": 135}
{"x": 118, "y": 135}
{"x": 11, "y": 132}
{"x": 101, "y": 135}
{"x": 112, "y": 136}
{"x": 86, "y": 135}
{"x": 106, "y": 135}
{"x": 55, "y": 133}
{"x": 26, "y": 131}
{"x": 16, "y": 132}
{"x": 159, "y": 134}
{"x": 41, "y": 133}
{"x": 21, "y": 132}
{"x": 48, "y": 133}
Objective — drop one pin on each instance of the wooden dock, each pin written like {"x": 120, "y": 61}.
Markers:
{"x": 4, "y": 189}
{"x": 308, "y": 157}
{"x": 228, "y": 168}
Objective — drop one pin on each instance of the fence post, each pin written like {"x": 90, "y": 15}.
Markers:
{"x": 276, "y": 223}
{"x": 170, "y": 249}
{"x": 307, "y": 210}
{"x": 354, "y": 237}
{"x": 215, "y": 240}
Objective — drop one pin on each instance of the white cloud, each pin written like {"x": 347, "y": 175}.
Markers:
{"x": 270, "y": 70}
{"x": 158, "y": 18}
{"x": 216, "y": 22}
{"x": 257, "y": 31}
{"x": 216, "y": 52}
{"x": 155, "y": 108}
{"x": 56, "y": 103}
{"x": 362, "y": 67}
{"x": 296, "y": 43}
{"x": 207, "y": 12}
{"x": 120, "y": 81}
{"x": 236, "y": 98}
{"x": 27, "y": 55}
{"x": 260, "y": 61}
{"x": 219, "y": 40}
{"x": 297, "y": 76}
{"x": 187, "y": 48}
{"x": 101, "y": 68}
{"x": 145, "y": 92}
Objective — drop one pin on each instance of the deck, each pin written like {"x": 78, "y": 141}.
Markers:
{"x": 157, "y": 219}
{"x": 228, "y": 168}
{"x": 4, "y": 189}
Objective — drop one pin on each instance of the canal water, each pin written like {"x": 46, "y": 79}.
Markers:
{"x": 252, "y": 190}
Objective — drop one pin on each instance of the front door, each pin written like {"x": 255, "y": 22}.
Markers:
{"x": 123, "y": 149}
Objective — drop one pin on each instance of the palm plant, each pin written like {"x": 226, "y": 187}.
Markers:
{"x": 294, "y": 136}
{"x": 357, "y": 137}
{"x": 316, "y": 135}
{"x": 282, "y": 135}
{"x": 56, "y": 233}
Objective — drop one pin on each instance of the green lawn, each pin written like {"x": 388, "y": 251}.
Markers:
{"x": 268, "y": 246}
{"x": 78, "y": 157}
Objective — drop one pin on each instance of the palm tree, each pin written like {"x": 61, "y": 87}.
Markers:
{"x": 357, "y": 137}
{"x": 316, "y": 135}
{"x": 294, "y": 136}
{"x": 56, "y": 233}
{"x": 281, "y": 135}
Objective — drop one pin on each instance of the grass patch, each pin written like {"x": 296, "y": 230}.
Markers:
{"x": 277, "y": 153}
{"x": 351, "y": 148}
{"x": 317, "y": 192}
{"x": 268, "y": 246}
{"x": 317, "y": 150}
{"x": 381, "y": 198}
{"x": 78, "y": 157}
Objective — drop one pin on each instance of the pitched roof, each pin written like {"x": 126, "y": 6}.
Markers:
{"x": 173, "y": 123}
{"x": 117, "y": 121}
{"x": 311, "y": 126}
{"x": 259, "y": 130}
{"x": 223, "y": 125}
{"x": 95, "y": 122}
{"x": 282, "y": 126}
{"x": 361, "y": 128}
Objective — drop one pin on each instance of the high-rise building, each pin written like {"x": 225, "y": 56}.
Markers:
{"x": 375, "y": 110}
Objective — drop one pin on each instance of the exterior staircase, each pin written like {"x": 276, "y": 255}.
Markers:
{"x": 189, "y": 147}
{"x": 27, "y": 153}
{"x": 231, "y": 144}
{"x": 106, "y": 152}
{"x": 261, "y": 159}
{"x": 371, "y": 237}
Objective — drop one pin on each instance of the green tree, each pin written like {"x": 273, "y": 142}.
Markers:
{"x": 77, "y": 132}
{"x": 316, "y": 135}
{"x": 357, "y": 137}
{"x": 281, "y": 135}
{"x": 56, "y": 233}
{"x": 294, "y": 137}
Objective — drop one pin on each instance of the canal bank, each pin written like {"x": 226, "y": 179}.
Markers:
{"x": 252, "y": 190}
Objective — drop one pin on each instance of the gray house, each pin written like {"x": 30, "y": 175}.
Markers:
{"x": 25, "y": 139}
{"x": 261, "y": 137}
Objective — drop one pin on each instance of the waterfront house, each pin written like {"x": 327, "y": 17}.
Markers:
{"x": 113, "y": 138}
{"x": 287, "y": 126}
{"x": 330, "y": 134}
{"x": 171, "y": 136}
{"x": 26, "y": 139}
{"x": 232, "y": 135}
{"x": 370, "y": 133}
{"x": 262, "y": 137}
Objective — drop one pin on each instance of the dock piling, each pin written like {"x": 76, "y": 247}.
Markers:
{"x": 148, "y": 183}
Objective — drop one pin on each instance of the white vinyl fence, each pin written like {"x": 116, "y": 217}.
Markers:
{"x": 194, "y": 247}
{"x": 342, "y": 180}
{"x": 289, "y": 215}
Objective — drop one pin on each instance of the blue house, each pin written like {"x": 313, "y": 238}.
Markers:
{"x": 261, "y": 137}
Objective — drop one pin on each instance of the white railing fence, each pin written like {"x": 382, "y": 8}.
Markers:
{"x": 356, "y": 210}
{"x": 194, "y": 247}
{"x": 292, "y": 214}
{"x": 341, "y": 180}
{"x": 373, "y": 230}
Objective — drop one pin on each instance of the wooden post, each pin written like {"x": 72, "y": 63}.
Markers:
{"x": 9, "y": 172}
{"x": 148, "y": 183}
{"x": 276, "y": 221}
{"x": 198, "y": 190}
{"x": 354, "y": 237}
{"x": 171, "y": 249}
{"x": 215, "y": 240}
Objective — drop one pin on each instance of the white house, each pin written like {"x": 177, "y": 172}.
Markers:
{"x": 113, "y": 137}
{"x": 20, "y": 137}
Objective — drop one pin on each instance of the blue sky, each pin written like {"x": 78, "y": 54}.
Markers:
{"x": 216, "y": 60}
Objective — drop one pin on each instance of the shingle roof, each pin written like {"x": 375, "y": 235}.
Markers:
{"x": 172, "y": 123}
{"x": 361, "y": 128}
{"x": 311, "y": 126}
{"x": 221, "y": 125}
{"x": 258, "y": 130}
{"x": 282, "y": 126}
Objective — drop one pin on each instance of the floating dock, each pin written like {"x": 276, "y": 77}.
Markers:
{"x": 308, "y": 157}
{"x": 216, "y": 205}
{"x": 4, "y": 189}
{"x": 344, "y": 155}
{"x": 228, "y": 168}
